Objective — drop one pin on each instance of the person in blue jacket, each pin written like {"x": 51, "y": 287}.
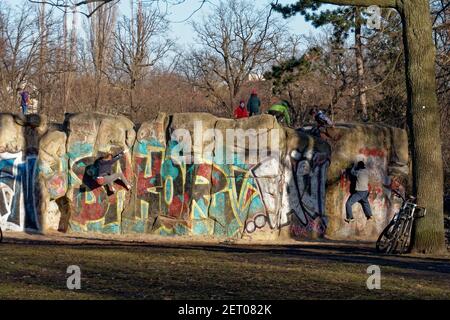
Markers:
{"x": 253, "y": 104}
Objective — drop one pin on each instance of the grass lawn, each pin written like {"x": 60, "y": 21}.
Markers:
{"x": 125, "y": 270}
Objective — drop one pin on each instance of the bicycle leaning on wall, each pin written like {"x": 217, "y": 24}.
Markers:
{"x": 396, "y": 237}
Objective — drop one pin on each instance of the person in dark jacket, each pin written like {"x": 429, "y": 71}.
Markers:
{"x": 105, "y": 175}
{"x": 253, "y": 103}
{"x": 24, "y": 101}
{"x": 321, "y": 118}
{"x": 323, "y": 124}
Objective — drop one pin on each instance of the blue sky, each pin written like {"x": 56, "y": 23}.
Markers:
{"x": 183, "y": 31}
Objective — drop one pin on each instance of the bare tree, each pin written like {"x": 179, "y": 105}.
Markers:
{"x": 236, "y": 41}
{"x": 68, "y": 59}
{"x": 140, "y": 42}
{"x": 100, "y": 41}
{"x": 19, "y": 46}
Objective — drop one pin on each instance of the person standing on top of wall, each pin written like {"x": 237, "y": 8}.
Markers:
{"x": 25, "y": 101}
{"x": 281, "y": 112}
{"x": 253, "y": 103}
{"x": 240, "y": 111}
{"x": 105, "y": 175}
{"x": 361, "y": 193}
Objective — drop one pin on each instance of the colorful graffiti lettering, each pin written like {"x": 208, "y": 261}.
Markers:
{"x": 93, "y": 208}
{"x": 296, "y": 198}
{"x": 173, "y": 197}
{"x": 18, "y": 199}
{"x": 55, "y": 176}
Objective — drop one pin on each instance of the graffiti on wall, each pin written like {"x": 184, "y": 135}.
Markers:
{"x": 376, "y": 163}
{"x": 207, "y": 198}
{"x": 94, "y": 208}
{"x": 18, "y": 198}
{"x": 55, "y": 176}
{"x": 297, "y": 197}
{"x": 212, "y": 198}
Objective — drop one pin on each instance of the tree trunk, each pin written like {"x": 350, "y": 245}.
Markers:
{"x": 98, "y": 90}
{"x": 423, "y": 121}
{"x": 231, "y": 102}
{"x": 132, "y": 101}
{"x": 360, "y": 65}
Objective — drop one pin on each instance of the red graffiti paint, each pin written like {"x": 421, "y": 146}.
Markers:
{"x": 144, "y": 183}
{"x": 204, "y": 170}
{"x": 175, "y": 208}
{"x": 90, "y": 211}
{"x": 92, "y": 202}
{"x": 372, "y": 152}
{"x": 249, "y": 194}
{"x": 316, "y": 227}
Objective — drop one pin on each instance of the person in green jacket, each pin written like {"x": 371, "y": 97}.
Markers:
{"x": 253, "y": 103}
{"x": 281, "y": 112}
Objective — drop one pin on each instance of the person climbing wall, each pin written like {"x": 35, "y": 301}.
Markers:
{"x": 105, "y": 175}
{"x": 281, "y": 112}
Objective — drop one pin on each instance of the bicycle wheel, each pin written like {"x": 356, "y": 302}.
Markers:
{"x": 386, "y": 238}
{"x": 1, "y": 235}
{"x": 397, "y": 243}
{"x": 405, "y": 235}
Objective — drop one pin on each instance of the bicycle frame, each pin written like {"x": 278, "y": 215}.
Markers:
{"x": 398, "y": 231}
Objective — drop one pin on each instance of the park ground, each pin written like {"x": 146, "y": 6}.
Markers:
{"x": 34, "y": 267}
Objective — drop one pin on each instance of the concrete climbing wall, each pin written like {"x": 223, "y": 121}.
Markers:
{"x": 194, "y": 174}
{"x": 196, "y": 192}
{"x": 384, "y": 150}
{"x": 90, "y": 137}
{"x": 19, "y": 190}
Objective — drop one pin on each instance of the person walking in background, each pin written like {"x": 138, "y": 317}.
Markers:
{"x": 25, "y": 101}
{"x": 361, "y": 193}
{"x": 240, "y": 111}
{"x": 281, "y": 112}
{"x": 253, "y": 103}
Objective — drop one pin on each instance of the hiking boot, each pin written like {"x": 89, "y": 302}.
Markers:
{"x": 349, "y": 220}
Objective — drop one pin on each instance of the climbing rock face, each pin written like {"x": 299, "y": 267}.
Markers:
{"x": 53, "y": 176}
{"x": 193, "y": 177}
{"x": 19, "y": 199}
{"x": 148, "y": 155}
{"x": 195, "y": 174}
{"x": 91, "y": 136}
{"x": 384, "y": 151}
{"x": 304, "y": 179}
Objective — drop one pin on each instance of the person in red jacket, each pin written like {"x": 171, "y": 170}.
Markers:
{"x": 240, "y": 111}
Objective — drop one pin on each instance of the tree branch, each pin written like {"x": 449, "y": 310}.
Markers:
{"x": 363, "y": 3}
{"x": 65, "y": 6}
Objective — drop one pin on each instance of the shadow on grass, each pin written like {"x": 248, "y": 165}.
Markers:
{"x": 333, "y": 251}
